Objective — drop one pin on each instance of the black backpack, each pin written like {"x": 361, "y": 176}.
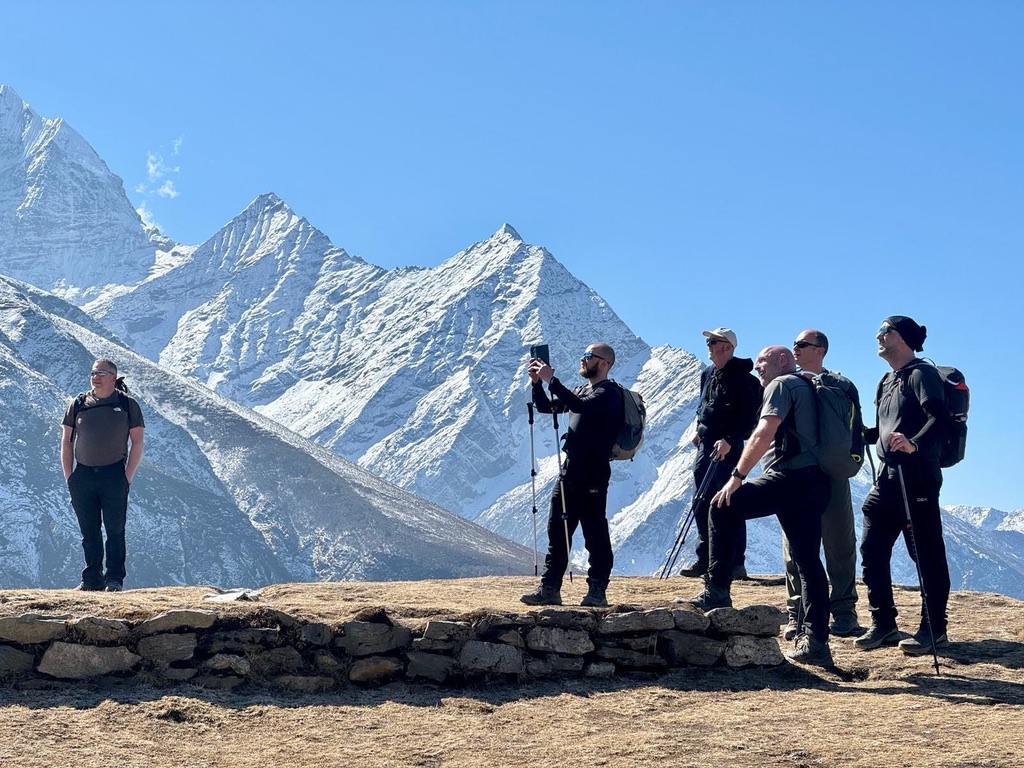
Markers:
{"x": 634, "y": 419}
{"x": 957, "y": 395}
{"x": 958, "y": 402}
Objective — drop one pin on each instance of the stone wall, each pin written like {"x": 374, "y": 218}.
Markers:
{"x": 274, "y": 649}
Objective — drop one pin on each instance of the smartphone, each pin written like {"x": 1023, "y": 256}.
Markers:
{"x": 540, "y": 352}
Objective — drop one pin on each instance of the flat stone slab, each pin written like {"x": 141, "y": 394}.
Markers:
{"x": 169, "y": 647}
{"x": 14, "y": 662}
{"x": 375, "y": 670}
{"x": 180, "y": 619}
{"x": 571, "y": 642}
{"x": 479, "y": 656}
{"x": 96, "y": 630}
{"x": 75, "y": 662}
{"x": 636, "y": 621}
{"x": 690, "y": 648}
{"x": 761, "y": 620}
{"x": 31, "y": 628}
{"x": 365, "y": 638}
{"x": 751, "y": 651}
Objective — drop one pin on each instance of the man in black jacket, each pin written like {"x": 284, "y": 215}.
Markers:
{"x": 726, "y": 415}
{"x": 580, "y": 495}
{"x": 911, "y": 405}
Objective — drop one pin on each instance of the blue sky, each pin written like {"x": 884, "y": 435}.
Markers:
{"x": 765, "y": 166}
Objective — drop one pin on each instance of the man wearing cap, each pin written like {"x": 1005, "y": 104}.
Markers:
{"x": 838, "y": 536}
{"x": 910, "y": 403}
{"x": 729, "y": 400}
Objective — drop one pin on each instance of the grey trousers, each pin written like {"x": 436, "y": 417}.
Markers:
{"x": 839, "y": 540}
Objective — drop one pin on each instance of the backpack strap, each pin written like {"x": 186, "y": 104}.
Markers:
{"x": 787, "y": 443}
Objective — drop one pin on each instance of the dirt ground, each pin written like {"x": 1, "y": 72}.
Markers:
{"x": 878, "y": 708}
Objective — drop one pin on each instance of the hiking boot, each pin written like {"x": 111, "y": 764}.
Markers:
{"x": 543, "y": 595}
{"x": 114, "y": 586}
{"x": 845, "y": 625}
{"x": 694, "y": 571}
{"x": 711, "y": 597}
{"x": 810, "y": 650}
{"x": 739, "y": 573}
{"x": 877, "y": 636}
{"x": 792, "y": 629}
{"x": 595, "y": 597}
{"x": 83, "y": 587}
{"x": 921, "y": 642}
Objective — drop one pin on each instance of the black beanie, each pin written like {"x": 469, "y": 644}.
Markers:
{"x": 911, "y": 332}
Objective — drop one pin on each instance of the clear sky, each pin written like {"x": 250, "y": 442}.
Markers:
{"x": 765, "y": 166}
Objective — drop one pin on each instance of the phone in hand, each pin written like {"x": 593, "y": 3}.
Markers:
{"x": 540, "y": 352}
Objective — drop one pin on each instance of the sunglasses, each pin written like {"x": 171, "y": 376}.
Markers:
{"x": 101, "y": 373}
{"x": 588, "y": 355}
{"x": 884, "y": 329}
{"x": 804, "y": 344}
{"x": 712, "y": 342}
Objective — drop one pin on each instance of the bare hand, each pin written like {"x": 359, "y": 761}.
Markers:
{"x": 540, "y": 370}
{"x": 722, "y": 449}
{"x": 723, "y": 497}
{"x": 532, "y": 369}
{"x": 696, "y": 440}
{"x": 900, "y": 442}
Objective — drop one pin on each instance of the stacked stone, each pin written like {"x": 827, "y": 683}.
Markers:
{"x": 274, "y": 648}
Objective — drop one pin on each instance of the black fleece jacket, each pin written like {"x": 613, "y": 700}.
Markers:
{"x": 730, "y": 403}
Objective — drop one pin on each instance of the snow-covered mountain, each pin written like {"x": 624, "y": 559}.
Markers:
{"x": 418, "y": 375}
{"x": 66, "y": 224}
{"x": 223, "y": 496}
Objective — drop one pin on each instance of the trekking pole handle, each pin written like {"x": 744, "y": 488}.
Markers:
{"x": 529, "y": 409}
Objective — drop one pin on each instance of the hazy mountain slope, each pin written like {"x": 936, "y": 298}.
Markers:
{"x": 223, "y": 496}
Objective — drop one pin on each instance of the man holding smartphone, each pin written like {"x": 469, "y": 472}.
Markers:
{"x": 580, "y": 496}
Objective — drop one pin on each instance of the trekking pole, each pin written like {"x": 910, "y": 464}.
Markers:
{"x": 561, "y": 495}
{"x": 871, "y": 461}
{"x": 684, "y": 528}
{"x": 916, "y": 556}
{"x": 533, "y": 488}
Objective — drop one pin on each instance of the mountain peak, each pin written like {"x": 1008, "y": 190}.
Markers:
{"x": 507, "y": 230}
{"x": 266, "y": 201}
{"x": 10, "y": 98}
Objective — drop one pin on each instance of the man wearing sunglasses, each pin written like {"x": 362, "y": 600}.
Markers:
{"x": 792, "y": 487}
{"x": 910, "y": 403}
{"x": 729, "y": 400}
{"x": 98, "y": 467}
{"x": 582, "y": 490}
{"x": 838, "y": 535}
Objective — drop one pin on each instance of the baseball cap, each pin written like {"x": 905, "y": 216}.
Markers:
{"x": 722, "y": 333}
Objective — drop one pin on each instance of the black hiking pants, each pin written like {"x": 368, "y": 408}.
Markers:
{"x": 798, "y": 498}
{"x": 701, "y": 509}
{"x": 885, "y": 518}
{"x": 585, "y": 501}
{"x": 99, "y": 496}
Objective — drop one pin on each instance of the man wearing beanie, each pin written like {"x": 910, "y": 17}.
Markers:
{"x": 910, "y": 404}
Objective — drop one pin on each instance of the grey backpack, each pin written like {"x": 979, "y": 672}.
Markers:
{"x": 634, "y": 418}
{"x": 840, "y": 450}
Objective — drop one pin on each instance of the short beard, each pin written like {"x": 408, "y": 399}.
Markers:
{"x": 588, "y": 372}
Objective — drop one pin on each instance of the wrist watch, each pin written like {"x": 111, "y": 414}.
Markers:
{"x": 737, "y": 474}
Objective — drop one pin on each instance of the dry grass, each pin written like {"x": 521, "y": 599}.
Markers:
{"x": 880, "y": 709}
